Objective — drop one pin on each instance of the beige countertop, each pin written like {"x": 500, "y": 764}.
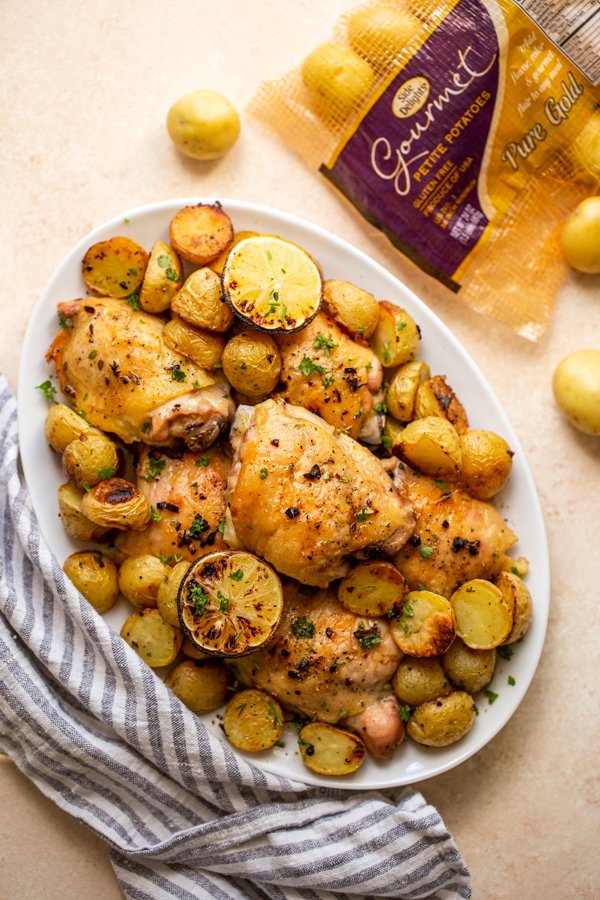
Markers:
{"x": 85, "y": 91}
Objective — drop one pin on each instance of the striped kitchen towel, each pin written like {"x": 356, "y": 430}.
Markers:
{"x": 184, "y": 816}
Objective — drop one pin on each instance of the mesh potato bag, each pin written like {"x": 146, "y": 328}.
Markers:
{"x": 465, "y": 130}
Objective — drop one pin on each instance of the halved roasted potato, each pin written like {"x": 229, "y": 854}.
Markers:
{"x": 253, "y": 721}
{"x": 166, "y": 598}
{"x": 426, "y": 626}
{"x": 199, "y": 234}
{"x": 114, "y": 268}
{"x": 63, "y": 425}
{"x": 517, "y": 565}
{"x": 372, "y": 589}
{"x": 75, "y": 523}
{"x": 94, "y": 574}
{"x": 516, "y": 595}
{"x": 396, "y": 336}
{"x": 252, "y": 363}
{"x": 435, "y": 397}
{"x": 403, "y": 387}
{"x": 200, "y": 684}
{"x": 90, "y": 458}
{"x": 354, "y": 309}
{"x": 205, "y": 348}
{"x": 329, "y": 750}
{"x": 391, "y": 432}
{"x": 419, "y": 680}
{"x": 116, "y": 503}
{"x": 431, "y": 445}
{"x": 442, "y": 721}
{"x": 163, "y": 278}
{"x": 140, "y": 578}
{"x": 199, "y": 302}
{"x": 486, "y": 463}
{"x": 484, "y": 618}
{"x": 157, "y": 642}
{"x": 468, "y": 669}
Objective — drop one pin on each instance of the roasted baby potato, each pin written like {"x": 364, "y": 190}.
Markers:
{"x": 403, "y": 387}
{"x": 217, "y": 264}
{"x": 200, "y": 302}
{"x": 329, "y": 750}
{"x": 391, "y": 432}
{"x": 419, "y": 680}
{"x": 62, "y": 426}
{"x": 354, "y": 309}
{"x": 431, "y": 445}
{"x": 372, "y": 589}
{"x": 442, "y": 721}
{"x": 468, "y": 669}
{"x": 486, "y": 463}
{"x": 140, "y": 578}
{"x": 163, "y": 277}
{"x": 116, "y": 503}
{"x": 516, "y": 595}
{"x": 396, "y": 337}
{"x": 435, "y": 397}
{"x": 90, "y": 458}
{"x": 205, "y": 348}
{"x": 380, "y": 33}
{"x": 166, "y": 598}
{"x": 252, "y": 364}
{"x": 518, "y": 566}
{"x": 78, "y": 526}
{"x": 200, "y": 233}
{"x": 200, "y": 684}
{"x": 157, "y": 642}
{"x": 191, "y": 651}
{"x": 484, "y": 619}
{"x": 337, "y": 80}
{"x": 114, "y": 268}
{"x": 426, "y": 626}
{"x": 253, "y": 721}
{"x": 95, "y": 576}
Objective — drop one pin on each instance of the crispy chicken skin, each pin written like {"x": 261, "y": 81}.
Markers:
{"x": 468, "y": 538}
{"x": 113, "y": 364}
{"x": 343, "y": 393}
{"x": 182, "y": 493}
{"x": 317, "y": 666}
{"x": 305, "y": 496}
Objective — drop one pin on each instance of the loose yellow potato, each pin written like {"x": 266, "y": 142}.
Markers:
{"x": 157, "y": 642}
{"x": 468, "y": 669}
{"x": 252, "y": 364}
{"x": 338, "y": 81}
{"x": 576, "y": 387}
{"x": 486, "y": 463}
{"x": 62, "y": 426}
{"x": 200, "y": 233}
{"x": 163, "y": 278}
{"x": 140, "y": 578}
{"x": 372, "y": 589}
{"x": 90, "y": 458}
{"x": 431, "y": 445}
{"x": 200, "y": 302}
{"x": 200, "y": 684}
{"x": 253, "y": 721}
{"x": 205, "y": 348}
{"x": 116, "y": 503}
{"x": 483, "y": 617}
{"x": 203, "y": 125}
{"x": 435, "y": 397}
{"x": 354, "y": 309}
{"x": 426, "y": 626}
{"x": 218, "y": 264}
{"x": 443, "y": 721}
{"x": 166, "y": 598}
{"x": 329, "y": 750}
{"x": 396, "y": 337}
{"x": 419, "y": 680}
{"x": 516, "y": 595}
{"x": 76, "y": 525}
{"x": 380, "y": 33}
{"x": 580, "y": 237}
{"x": 95, "y": 576}
{"x": 403, "y": 387}
{"x": 114, "y": 268}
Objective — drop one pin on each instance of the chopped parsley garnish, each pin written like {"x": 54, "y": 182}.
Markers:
{"x": 492, "y": 697}
{"x": 302, "y": 628}
{"x": 514, "y": 570}
{"x": 155, "y": 516}
{"x": 63, "y": 321}
{"x": 505, "y": 652}
{"x": 166, "y": 560}
{"x": 400, "y": 326}
{"x": 200, "y": 598}
{"x": 133, "y": 300}
{"x": 146, "y": 427}
{"x": 387, "y": 442}
{"x": 386, "y": 352}
{"x": 155, "y": 467}
{"x": 358, "y": 414}
{"x": 223, "y": 602}
{"x": 326, "y": 343}
{"x": 164, "y": 261}
{"x": 92, "y": 354}
{"x": 172, "y": 274}
{"x": 132, "y": 272}
{"x": 221, "y": 526}
{"x": 47, "y": 389}
{"x": 269, "y": 255}
{"x": 426, "y": 552}
{"x": 405, "y": 712}
{"x": 107, "y": 472}
{"x": 407, "y": 609}
{"x": 238, "y": 575}
{"x": 441, "y": 484}
{"x": 177, "y": 374}
{"x": 381, "y": 407}
{"x": 275, "y": 713}
{"x": 512, "y": 681}
{"x": 308, "y": 367}
{"x": 198, "y": 526}
{"x": 365, "y": 512}
{"x": 404, "y": 626}
{"x": 263, "y": 473}
{"x": 328, "y": 381}
{"x": 203, "y": 461}
{"x": 368, "y": 638}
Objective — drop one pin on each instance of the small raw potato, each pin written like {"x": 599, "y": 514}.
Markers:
{"x": 396, "y": 337}
{"x": 576, "y": 385}
{"x": 329, "y": 750}
{"x": 252, "y": 364}
{"x": 76, "y": 525}
{"x": 372, "y": 589}
{"x": 95, "y": 576}
{"x": 484, "y": 618}
{"x": 402, "y": 390}
{"x": 140, "y": 578}
{"x": 90, "y": 458}
{"x": 435, "y": 397}
{"x": 380, "y": 33}
{"x": 205, "y": 348}
{"x": 62, "y": 426}
{"x": 338, "y": 81}
{"x": 116, "y": 503}
{"x": 431, "y": 445}
{"x": 203, "y": 125}
{"x": 469, "y": 669}
{"x": 200, "y": 233}
{"x": 486, "y": 463}
{"x": 200, "y": 302}
{"x": 426, "y": 626}
{"x": 218, "y": 264}
{"x": 419, "y": 680}
{"x": 443, "y": 721}
{"x": 166, "y": 599}
{"x": 200, "y": 684}
{"x": 516, "y": 595}
{"x": 163, "y": 278}
{"x": 114, "y": 268}
{"x": 157, "y": 642}
{"x": 253, "y": 721}
{"x": 354, "y": 309}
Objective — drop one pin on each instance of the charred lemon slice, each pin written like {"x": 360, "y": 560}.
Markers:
{"x": 230, "y": 603}
{"x": 272, "y": 284}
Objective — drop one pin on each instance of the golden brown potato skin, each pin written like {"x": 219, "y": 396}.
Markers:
{"x": 95, "y": 576}
{"x": 403, "y": 388}
{"x": 426, "y": 626}
{"x": 89, "y": 459}
{"x": 486, "y": 463}
{"x": 469, "y": 669}
{"x": 432, "y": 446}
{"x": 62, "y": 426}
{"x": 205, "y": 348}
{"x": 516, "y": 594}
{"x": 114, "y": 268}
{"x": 418, "y": 680}
{"x": 396, "y": 337}
{"x": 153, "y": 639}
{"x": 200, "y": 684}
{"x": 354, "y": 309}
{"x": 435, "y": 397}
{"x": 140, "y": 578}
{"x": 252, "y": 364}
{"x": 166, "y": 598}
{"x": 442, "y": 721}
{"x": 117, "y": 503}
{"x": 200, "y": 233}
{"x": 200, "y": 302}
{"x": 163, "y": 277}
{"x": 78, "y": 526}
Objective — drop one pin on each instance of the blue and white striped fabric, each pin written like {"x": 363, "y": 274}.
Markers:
{"x": 99, "y": 733}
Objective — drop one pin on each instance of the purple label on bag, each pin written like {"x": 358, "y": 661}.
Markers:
{"x": 412, "y": 166}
